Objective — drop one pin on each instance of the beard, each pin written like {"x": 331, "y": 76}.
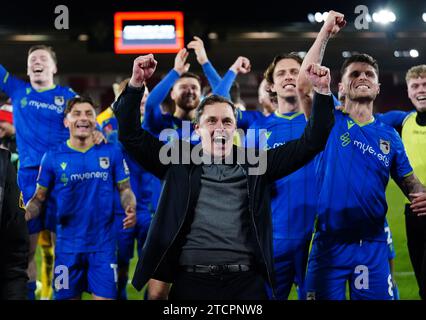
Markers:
{"x": 187, "y": 101}
{"x": 362, "y": 99}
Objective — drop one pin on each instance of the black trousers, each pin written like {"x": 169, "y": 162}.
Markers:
{"x": 416, "y": 242}
{"x": 247, "y": 285}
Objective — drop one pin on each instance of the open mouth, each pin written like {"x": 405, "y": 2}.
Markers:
{"x": 421, "y": 98}
{"x": 362, "y": 86}
{"x": 189, "y": 97}
{"x": 220, "y": 140}
{"x": 37, "y": 70}
{"x": 290, "y": 86}
{"x": 82, "y": 126}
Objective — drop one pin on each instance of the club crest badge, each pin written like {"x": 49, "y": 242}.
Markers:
{"x": 385, "y": 146}
{"x": 104, "y": 162}
{"x": 59, "y": 101}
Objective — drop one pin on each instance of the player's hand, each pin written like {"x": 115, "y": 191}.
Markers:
{"x": 130, "y": 219}
{"x": 27, "y": 215}
{"x": 241, "y": 65}
{"x": 180, "y": 61}
{"x": 143, "y": 69}
{"x": 334, "y": 23}
{"x": 418, "y": 203}
{"x": 98, "y": 137}
{"x": 200, "y": 52}
{"x": 319, "y": 77}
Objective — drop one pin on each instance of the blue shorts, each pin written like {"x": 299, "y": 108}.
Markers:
{"x": 126, "y": 237}
{"x": 93, "y": 272}
{"x": 391, "y": 249}
{"x": 364, "y": 264}
{"x": 290, "y": 260}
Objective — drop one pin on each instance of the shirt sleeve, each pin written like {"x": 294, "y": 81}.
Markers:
{"x": 8, "y": 83}
{"x": 400, "y": 167}
{"x": 121, "y": 169}
{"x": 224, "y": 87}
{"x": 253, "y": 137}
{"x": 153, "y": 118}
{"x": 246, "y": 118}
{"x": 211, "y": 74}
{"x": 336, "y": 101}
{"x": 46, "y": 173}
{"x": 393, "y": 118}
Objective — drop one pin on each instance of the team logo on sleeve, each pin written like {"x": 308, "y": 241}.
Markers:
{"x": 59, "y": 100}
{"x": 385, "y": 146}
{"x": 126, "y": 167}
{"x": 104, "y": 162}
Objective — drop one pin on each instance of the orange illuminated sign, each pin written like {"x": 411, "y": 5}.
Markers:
{"x": 148, "y": 32}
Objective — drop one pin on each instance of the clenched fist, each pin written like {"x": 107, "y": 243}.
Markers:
{"x": 241, "y": 65}
{"x": 319, "y": 77}
{"x": 143, "y": 68}
{"x": 334, "y": 23}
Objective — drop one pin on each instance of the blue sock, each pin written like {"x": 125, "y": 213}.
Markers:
{"x": 31, "y": 287}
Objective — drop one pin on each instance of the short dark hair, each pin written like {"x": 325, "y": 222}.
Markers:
{"x": 78, "y": 99}
{"x": 46, "y": 48}
{"x": 360, "y": 57}
{"x": 212, "y": 99}
{"x": 269, "y": 73}
{"x": 190, "y": 75}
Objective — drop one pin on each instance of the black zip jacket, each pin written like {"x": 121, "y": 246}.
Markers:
{"x": 14, "y": 241}
{"x": 181, "y": 185}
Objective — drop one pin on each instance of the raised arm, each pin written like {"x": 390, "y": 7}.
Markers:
{"x": 209, "y": 71}
{"x": 141, "y": 145}
{"x": 293, "y": 155}
{"x": 334, "y": 22}
{"x": 241, "y": 65}
{"x": 128, "y": 202}
{"x": 9, "y": 83}
{"x": 415, "y": 192}
{"x": 153, "y": 118}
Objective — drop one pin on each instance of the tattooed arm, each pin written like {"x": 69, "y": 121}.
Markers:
{"x": 416, "y": 192}
{"x": 128, "y": 202}
{"x": 335, "y": 21}
{"x": 34, "y": 206}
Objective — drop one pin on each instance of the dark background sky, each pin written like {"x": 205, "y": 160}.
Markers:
{"x": 92, "y": 64}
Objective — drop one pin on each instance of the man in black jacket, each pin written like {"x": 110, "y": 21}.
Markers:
{"x": 211, "y": 235}
{"x": 14, "y": 241}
